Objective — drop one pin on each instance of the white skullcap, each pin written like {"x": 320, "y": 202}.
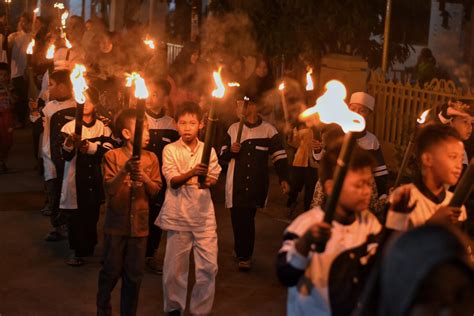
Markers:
{"x": 363, "y": 98}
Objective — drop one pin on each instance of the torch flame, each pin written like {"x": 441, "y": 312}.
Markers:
{"x": 64, "y": 17}
{"x": 59, "y": 5}
{"x": 423, "y": 116}
{"x": 246, "y": 98}
{"x": 332, "y": 108}
{"x": 141, "y": 92}
{"x": 50, "y": 52}
{"x": 281, "y": 87}
{"x": 220, "y": 88}
{"x": 68, "y": 43}
{"x": 29, "y": 49}
{"x": 79, "y": 84}
{"x": 233, "y": 84}
{"x": 309, "y": 80}
{"x": 130, "y": 79}
{"x": 36, "y": 11}
{"x": 150, "y": 43}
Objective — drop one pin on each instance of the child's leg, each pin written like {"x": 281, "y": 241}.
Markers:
{"x": 176, "y": 269}
{"x": 311, "y": 177}
{"x": 154, "y": 231}
{"x": 114, "y": 248}
{"x": 89, "y": 232}
{"x": 132, "y": 275}
{"x": 205, "y": 260}
{"x": 297, "y": 183}
{"x": 243, "y": 224}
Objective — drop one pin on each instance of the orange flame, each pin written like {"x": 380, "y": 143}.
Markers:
{"x": 68, "y": 43}
{"x": 29, "y": 49}
{"x": 130, "y": 79}
{"x": 36, "y": 11}
{"x": 59, "y": 5}
{"x": 281, "y": 87}
{"x": 233, "y": 84}
{"x": 309, "y": 80}
{"x": 150, "y": 43}
{"x": 141, "y": 91}
{"x": 64, "y": 17}
{"x": 220, "y": 88}
{"x": 423, "y": 116}
{"x": 79, "y": 84}
{"x": 332, "y": 108}
{"x": 50, "y": 52}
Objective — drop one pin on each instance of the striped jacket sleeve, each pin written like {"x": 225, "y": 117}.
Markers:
{"x": 279, "y": 157}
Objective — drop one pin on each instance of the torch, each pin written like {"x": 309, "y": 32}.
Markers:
{"x": 242, "y": 119}
{"x": 141, "y": 93}
{"x": 464, "y": 187}
{"x": 309, "y": 95}
{"x": 68, "y": 46}
{"x": 331, "y": 108}
{"x": 284, "y": 106}
{"x": 50, "y": 58}
{"x": 35, "y": 14}
{"x": 150, "y": 43}
{"x": 79, "y": 86}
{"x": 32, "y": 88}
{"x": 218, "y": 93}
{"x": 129, "y": 80}
{"x": 411, "y": 145}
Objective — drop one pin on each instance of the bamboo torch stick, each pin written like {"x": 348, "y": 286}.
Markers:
{"x": 464, "y": 187}
{"x": 141, "y": 93}
{"x": 79, "y": 86}
{"x": 242, "y": 119}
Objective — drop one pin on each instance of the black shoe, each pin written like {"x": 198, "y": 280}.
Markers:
{"x": 245, "y": 265}
{"x": 174, "y": 313}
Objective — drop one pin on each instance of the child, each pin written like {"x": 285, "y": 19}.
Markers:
{"x": 364, "y": 104}
{"x": 6, "y": 116}
{"x": 247, "y": 179}
{"x": 188, "y": 216}
{"x": 82, "y": 191}
{"x": 128, "y": 184}
{"x": 162, "y": 132}
{"x": 329, "y": 282}
{"x": 56, "y": 113}
{"x": 440, "y": 153}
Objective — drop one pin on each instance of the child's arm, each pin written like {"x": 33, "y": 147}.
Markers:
{"x": 280, "y": 161}
{"x": 293, "y": 256}
{"x": 228, "y": 150}
{"x": 213, "y": 172}
{"x": 114, "y": 175}
{"x": 178, "y": 181}
{"x": 171, "y": 173}
{"x": 152, "y": 181}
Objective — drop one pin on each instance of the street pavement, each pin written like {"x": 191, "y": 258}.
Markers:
{"x": 34, "y": 280}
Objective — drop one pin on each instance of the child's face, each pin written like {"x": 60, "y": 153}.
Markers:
{"x": 356, "y": 190}
{"x": 360, "y": 109}
{"x": 4, "y": 77}
{"x": 251, "y": 109}
{"x": 463, "y": 124}
{"x": 157, "y": 99}
{"x": 88, "y": 108}
{"x": 56, "y": 90}
{"x": 188, "y": 127}
{"x": 129, "y": 132}
{"x": 444, "y": 161}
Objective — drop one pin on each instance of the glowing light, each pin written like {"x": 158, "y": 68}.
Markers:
{"x": 79, "y": 84}
{"x": 150, "y": 43}
{"x": 50, "y": 52}
{"x": 68, "y": 43}
{"x": 141, "y": 91}
{"x": 281, "y": 87}
{"x": 246, "y": 98}
{"x": 233, "y": 84}
{"x": 220, "y": 88}
{"x": 59, "y": 5}
{"x": 309, "y": 80}
{"x": 423, "y": 116}
{"x": 130, "y": 79}
{"x": 64, "y": 17}
{"x": 331, "y": 108}
{"x": 36, "y": 11}
{"x": 29, "y": 49}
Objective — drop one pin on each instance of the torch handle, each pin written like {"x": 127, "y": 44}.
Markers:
{"x": 209, "y": 139}
{"x": 339, "y": 175}
{"x": 406, "y": 158}
{"x": 137, "y": 140}
{"x": 32, "y": 88}
{"x": 241, "y": 128}
{"x": 464, "y": 187}
{"x": 78, "y": 124}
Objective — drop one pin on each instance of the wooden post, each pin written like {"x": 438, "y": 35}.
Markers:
{"x": 386, "y": 36}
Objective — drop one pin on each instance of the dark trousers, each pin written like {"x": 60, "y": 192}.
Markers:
{"x": 243, "y": 224}
{"x": 124, "y": 257}
{"x": 82, "y": 229}
{"x": 20, "y": 84}
{"x": 154, "y": 236}
{"x": 302, "y": 177}
{"x": 53, "y": 192}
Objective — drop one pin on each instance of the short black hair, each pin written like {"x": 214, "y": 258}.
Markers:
{"x": 163, "y": 84}
{"x": 93, "y": 95}
{"x": 122, "y": 120}
{"x": 4, "y": 67}
{"x": 360, "y": 159}
{"x": 61, "y": 77}
{"x": 434, "y": 135}
{"x": 189, "y": 108}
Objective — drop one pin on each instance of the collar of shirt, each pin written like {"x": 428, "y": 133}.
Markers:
{"x": 426, "y": 192}
{"x": 155, "y": 115}
{"x": 252, "y": 125}
{"x": 91, "y": 123}
{"x": 183, "y": 144}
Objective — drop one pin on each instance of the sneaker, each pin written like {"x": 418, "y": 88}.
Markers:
{"x": 74, "y": 261}
{"x": 153, "y": 266}
{"x": 55, "y": 236}
{"x": 245, "y": 265}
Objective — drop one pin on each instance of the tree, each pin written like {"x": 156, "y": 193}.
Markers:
{"x": 309, "y": 29}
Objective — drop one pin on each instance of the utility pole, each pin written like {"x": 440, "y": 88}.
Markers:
{"x": 386, "y": 36}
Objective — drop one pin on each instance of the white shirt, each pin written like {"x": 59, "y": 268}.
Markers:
{"x": 425, "y": 208}
{"x": 20, "y": 41}
{"x": 187, "y": 208}
{"x": 49, "y": 109}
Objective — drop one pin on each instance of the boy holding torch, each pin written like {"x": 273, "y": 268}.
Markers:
{"x": 128, "y": 184}
{"x": 247, "y": 179}
{"x": 188, "y": 216}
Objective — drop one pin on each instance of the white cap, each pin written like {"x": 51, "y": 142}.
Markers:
{"x": 364, "y": 99}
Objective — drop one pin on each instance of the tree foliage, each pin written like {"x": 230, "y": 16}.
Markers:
{"x": 309, "y": 29}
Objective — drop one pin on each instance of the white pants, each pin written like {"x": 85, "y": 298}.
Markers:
{"x": 176, "y": 269}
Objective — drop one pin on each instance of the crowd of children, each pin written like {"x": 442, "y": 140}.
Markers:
{"x": 327, "y": 267}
